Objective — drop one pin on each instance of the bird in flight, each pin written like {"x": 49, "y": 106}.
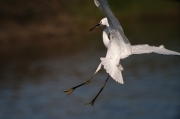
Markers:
{"x": 118, "y": 47}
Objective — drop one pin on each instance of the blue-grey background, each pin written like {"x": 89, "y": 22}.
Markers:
{"x": 45, "y": 47}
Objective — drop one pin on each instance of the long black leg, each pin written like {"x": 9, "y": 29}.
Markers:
{"x": 88, "y": 81}
{"x": 69, "y": 91}
{"x": 92, "y": 102}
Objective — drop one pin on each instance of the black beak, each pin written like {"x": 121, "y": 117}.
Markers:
{"x": 95, "y": 27}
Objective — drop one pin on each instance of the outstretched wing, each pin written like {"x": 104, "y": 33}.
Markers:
{"x": 141, "y": 49}
{"x": 115, "y": 28}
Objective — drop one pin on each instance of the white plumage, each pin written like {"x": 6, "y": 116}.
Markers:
{"x": 118, "y": 46}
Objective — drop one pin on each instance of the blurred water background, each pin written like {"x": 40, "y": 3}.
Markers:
{"x": 45, "y": 47}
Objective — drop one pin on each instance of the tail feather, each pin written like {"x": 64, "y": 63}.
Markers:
{"x": 112, "y": 69}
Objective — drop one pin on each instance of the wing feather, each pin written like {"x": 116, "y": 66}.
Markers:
{"x": 141, "y": 49}
{"x": 111, "y": 63}
{"x": 112, "y": 70}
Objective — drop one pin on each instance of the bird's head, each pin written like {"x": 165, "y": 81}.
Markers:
{"x": 103, "y": 22}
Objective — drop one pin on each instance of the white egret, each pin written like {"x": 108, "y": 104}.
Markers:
{"x": 118, "y": 47}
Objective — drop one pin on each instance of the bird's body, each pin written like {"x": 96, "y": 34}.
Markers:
{"x": 112, "y": 59}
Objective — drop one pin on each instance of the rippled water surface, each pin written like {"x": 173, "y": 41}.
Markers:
{"x": 32, "y": 89}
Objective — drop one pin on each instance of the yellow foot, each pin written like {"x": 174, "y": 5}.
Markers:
{"x": 69, "y": 91}
{"x": 91, "y": 103}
